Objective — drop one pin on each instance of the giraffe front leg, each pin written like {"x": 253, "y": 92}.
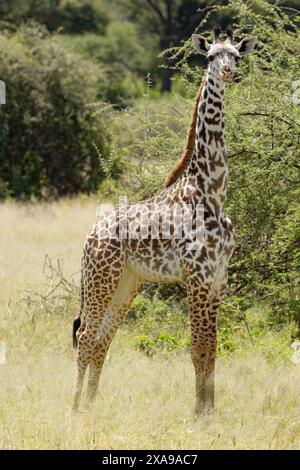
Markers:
{"x": 203, "y": 356}
{"x": 203, "y": 344}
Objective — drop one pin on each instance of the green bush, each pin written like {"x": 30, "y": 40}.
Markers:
{"x": 48, "y": 139}
{"x": 163, "y": 344}
{"x": 72, "y": 16}
{"x": 161, "y": 328}
{"x": 121, "y": 54}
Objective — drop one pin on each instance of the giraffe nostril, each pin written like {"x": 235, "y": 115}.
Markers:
{"x": 226, "y": 74}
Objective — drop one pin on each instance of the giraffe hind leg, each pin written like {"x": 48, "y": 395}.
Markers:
{"x": 127, "y": 289}
{"x": 100, "y": 284}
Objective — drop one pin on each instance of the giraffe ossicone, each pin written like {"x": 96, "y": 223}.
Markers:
{"x": 127, "y": 246}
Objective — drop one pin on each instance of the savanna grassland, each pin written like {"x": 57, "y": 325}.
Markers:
{"x": 146, "y": 398}
{"x": 99, "y": 97}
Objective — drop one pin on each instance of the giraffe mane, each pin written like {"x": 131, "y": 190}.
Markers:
{"x": 181, "y": 164}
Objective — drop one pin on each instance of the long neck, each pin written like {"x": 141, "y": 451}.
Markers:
{"x": 208, "y": 160}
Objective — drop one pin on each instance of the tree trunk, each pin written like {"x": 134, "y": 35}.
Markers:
{"x": 166, "y": 83}
{"x": 166, "y": 43}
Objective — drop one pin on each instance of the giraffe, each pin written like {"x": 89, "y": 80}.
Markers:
{"x": 115, "y": 267}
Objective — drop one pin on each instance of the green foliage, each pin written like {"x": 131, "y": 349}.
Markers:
{"x": 47, "y": 134}
{"x": 262, "y": 129}
{"x": 149, "y": 134}
{"x": 263, "y": 138}
{"x": 164, "y": 344}
{"x": 72, "y": 16}
{"x": 160, "y": 326}
{"x": 169, "y": 23}
{"x": 121, "y": 56}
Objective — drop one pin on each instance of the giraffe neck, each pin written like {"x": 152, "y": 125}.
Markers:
{"x": 207, "y": 167}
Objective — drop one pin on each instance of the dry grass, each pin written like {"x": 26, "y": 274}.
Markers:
{"x": 142, "y": 403}
{"x": 28, "y": 232}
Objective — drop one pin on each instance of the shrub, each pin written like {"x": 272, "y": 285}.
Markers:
{"x": 163, "y": 344}
{"x": 72, "y": 16}
{"x": 48, "y": 139}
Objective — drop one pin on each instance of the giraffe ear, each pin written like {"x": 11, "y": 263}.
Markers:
{"x": 246, "y": 46}
{"x": 200, "y": 44}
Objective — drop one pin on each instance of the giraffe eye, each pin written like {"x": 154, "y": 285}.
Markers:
{"x": 211, "y": 58}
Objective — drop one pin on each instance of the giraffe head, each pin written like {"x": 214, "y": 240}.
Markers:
{"x": 222, "y": 54}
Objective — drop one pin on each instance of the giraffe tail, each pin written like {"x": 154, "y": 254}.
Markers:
{"x": 76, "y": 325}
{"x": 77, "y": 320}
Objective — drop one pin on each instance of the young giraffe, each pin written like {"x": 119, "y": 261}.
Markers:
{"x": 114, "y": 268}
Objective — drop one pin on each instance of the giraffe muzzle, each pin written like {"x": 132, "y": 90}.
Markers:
{"x": 227, "y": 74}
{"x": 227, "y": 77}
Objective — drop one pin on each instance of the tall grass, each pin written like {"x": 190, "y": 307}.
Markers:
{"x": 142, "y": 402}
